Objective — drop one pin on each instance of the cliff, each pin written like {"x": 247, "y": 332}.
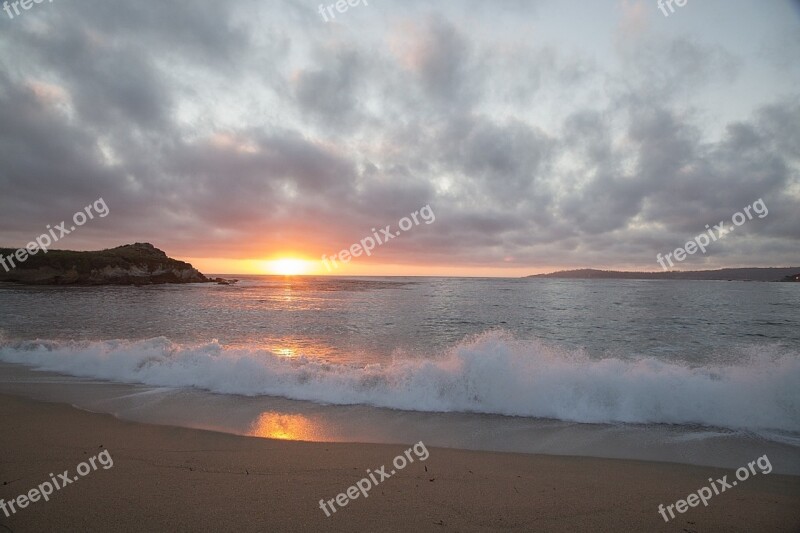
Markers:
{"x": 132, "y": 264}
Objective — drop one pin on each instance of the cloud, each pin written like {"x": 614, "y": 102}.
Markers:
{"x": 633, "y": 17}
{"x": 232, "y": 132}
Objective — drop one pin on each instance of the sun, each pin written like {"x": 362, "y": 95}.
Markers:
{"x": 287, "y": 266}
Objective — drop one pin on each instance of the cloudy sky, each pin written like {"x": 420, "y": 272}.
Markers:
{"x": 544, "y": 134}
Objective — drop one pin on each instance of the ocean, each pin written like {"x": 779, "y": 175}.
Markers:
{"x": 701, "y": 372}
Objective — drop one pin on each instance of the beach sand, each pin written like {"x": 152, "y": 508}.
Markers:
{"x": 175, "y": 479}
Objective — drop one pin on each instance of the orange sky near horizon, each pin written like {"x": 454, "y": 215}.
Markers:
{"x": 304, "y": 265}
{"x": 299, "y": 264}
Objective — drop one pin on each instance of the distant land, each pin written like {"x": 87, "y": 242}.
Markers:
{"x": 724, "y": 274}
{"x": 132, "y": 264}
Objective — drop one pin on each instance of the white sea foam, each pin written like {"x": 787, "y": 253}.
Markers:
{"x": 492, "y": 373}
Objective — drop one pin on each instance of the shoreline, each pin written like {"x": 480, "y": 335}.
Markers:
{"x": 278, "y": 417}
{"x": 183, "y": 479}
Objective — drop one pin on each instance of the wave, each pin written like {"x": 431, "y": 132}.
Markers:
{"x": 492, "y": 373}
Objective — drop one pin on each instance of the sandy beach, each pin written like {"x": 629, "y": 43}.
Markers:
{"x": 168, "y": 478}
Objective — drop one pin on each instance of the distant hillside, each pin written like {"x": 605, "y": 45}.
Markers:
{"x": 132, "y": 264}
{"x": 725, "y": 274}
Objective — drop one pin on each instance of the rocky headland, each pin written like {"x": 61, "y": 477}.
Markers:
{"x": 132, "y": 264}
{"x": 724, "y": 274}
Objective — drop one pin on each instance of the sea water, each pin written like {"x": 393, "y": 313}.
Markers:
{"x": 689, "y": 371}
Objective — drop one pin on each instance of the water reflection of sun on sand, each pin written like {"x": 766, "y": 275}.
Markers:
{"x": 271, "y": 425}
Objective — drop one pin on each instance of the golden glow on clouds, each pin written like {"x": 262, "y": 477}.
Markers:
{"x": 49, "y": 94}
{"x": 233, "y": 143}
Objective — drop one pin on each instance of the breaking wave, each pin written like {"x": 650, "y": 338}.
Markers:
{"x": 492, "y": 373}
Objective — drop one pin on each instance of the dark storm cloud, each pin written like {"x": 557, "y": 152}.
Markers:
{"x": 440, "y": 58}
{"x": 47, "y": 163}
{"x": 329, "y": 92}
{"x": 214, "y": 130}
{"x": 513, "y": 154}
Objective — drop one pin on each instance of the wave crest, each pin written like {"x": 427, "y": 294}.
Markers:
{"x": 492, "y": 373}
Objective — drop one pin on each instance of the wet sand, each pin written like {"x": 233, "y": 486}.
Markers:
{"x": 175, "y": 479}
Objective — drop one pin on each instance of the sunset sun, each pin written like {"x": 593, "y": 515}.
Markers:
{"x": 287, "y": 266}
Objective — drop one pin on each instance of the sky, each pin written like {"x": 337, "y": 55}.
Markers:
{"x": 257, "y": 136}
